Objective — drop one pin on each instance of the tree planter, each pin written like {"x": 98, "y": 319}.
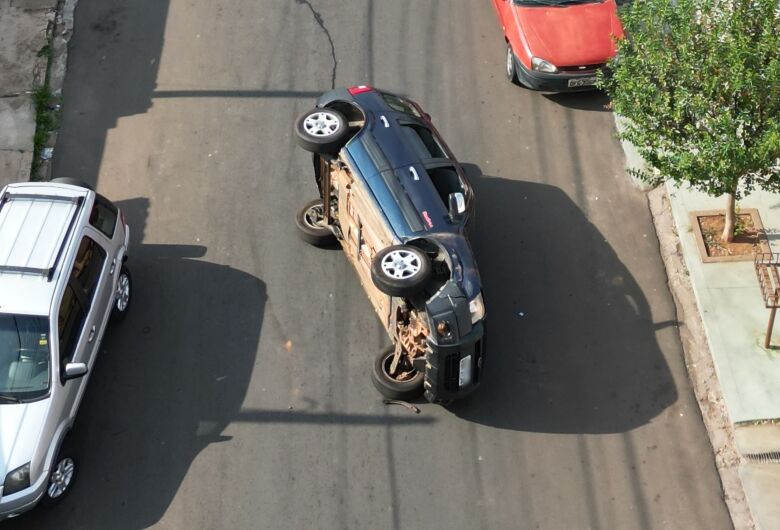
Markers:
{"x": 707, "y": 227}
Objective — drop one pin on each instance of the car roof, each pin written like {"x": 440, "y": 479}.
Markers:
{"x": 395, "y": 173}
{"x": 37, "y": 221}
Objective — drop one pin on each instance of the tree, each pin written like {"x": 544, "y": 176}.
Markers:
{"x": 699, "y": 81}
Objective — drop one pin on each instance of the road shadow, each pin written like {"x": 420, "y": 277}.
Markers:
{"x": 168, "y": 380}
{"x": 571, "y": 339}
{"x": 113, "y": 61}
{"x": 593, "y": 100}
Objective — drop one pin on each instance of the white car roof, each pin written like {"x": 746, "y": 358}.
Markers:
{"x": 37, "y": 223}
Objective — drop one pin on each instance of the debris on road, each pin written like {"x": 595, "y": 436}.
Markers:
{"x": 402, "y": 403}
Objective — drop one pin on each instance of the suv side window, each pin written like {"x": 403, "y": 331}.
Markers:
{"x": 423, "y": 141}
{"x": 77, "y": 297}
{"x": 103, "y": 216}
{"x": 70, "y": 323}
{"x": 89, "y": 263}
{"x": 446, "y": 180}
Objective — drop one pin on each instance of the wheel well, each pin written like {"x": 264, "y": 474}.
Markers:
{"x": 350, "y": 111}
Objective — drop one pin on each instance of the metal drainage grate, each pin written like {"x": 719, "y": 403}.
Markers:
{"x": 772, "y": 457}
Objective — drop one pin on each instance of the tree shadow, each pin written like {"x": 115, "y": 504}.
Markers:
{"x": 571, "y": 344}
{"x": 593, "y": 100}
{"x": 168, "y": 380}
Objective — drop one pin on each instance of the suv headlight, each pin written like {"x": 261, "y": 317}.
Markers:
{"x": 540, "y": 65}
{"x": 17, "y": 480}
{"x": 477, "y": 309}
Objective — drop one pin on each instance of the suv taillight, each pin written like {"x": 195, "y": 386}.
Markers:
{"x": 355, "y": 90}
{"x": 122, "y": 217}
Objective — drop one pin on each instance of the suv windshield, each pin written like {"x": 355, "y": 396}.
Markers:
{"x": 24, "y": 357}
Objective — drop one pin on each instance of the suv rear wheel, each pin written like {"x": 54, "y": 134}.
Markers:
{"x": 322, "y": 131}
{"x": 72, "y": 182}
{"x": 400, "y": 270}
{"x": 124, "y": 291}
{"x": 310, "y": 221}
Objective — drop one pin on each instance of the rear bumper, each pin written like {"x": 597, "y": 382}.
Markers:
{"x": 443, "y": 380}
{"x": 553, "y": 82}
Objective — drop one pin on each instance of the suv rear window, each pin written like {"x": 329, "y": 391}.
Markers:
{"x": 423, "y": 142}
{"x": 400, "y": 105}
{"x": 103, "y": 216}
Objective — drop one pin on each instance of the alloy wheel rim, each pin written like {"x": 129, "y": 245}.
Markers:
{"x": 509, "y": 66}
{"x": 123, "y": 292}
{"x": 401, "y": 264}
{"x": 61, "y": 477}
{"x": 321, "y": 124}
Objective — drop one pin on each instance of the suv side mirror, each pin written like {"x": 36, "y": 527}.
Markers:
{"x": 74, "y": 371}
{"x": 457, "y": 207}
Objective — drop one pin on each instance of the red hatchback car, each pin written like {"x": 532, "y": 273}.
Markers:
{"x": 558, "y": 45}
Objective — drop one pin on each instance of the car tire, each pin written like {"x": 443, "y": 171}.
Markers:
{"x": 310, "y": 226}
{"x": 322, "y": 131}
{"x": 511, "y": 65}
{"x": 400, "y": 270}
{"x": 73, "y": 182}
{"x": 124, "y": 295}
{"x": 61, "y": 477}
{"x": 391, "y": 388}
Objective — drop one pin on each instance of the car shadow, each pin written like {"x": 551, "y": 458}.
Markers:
{"x": 168, "y": 380}
{"x": 571, "y": 345}
{"x": 593, "y": 100}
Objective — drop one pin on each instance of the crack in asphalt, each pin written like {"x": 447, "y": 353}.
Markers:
{"x": 321, "y": 23}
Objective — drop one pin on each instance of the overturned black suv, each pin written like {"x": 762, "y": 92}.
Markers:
{"x": 398, "y": 202}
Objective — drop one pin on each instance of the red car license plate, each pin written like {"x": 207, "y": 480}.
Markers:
{"x": 582, "y": 81}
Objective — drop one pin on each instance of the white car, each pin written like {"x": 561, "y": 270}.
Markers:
{"x": 62, "y": 278}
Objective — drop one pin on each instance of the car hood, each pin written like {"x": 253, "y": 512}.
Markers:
{"x": 20, "y": 429}
{"x": 571, "y": 35}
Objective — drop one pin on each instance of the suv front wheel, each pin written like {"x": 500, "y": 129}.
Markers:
{"x": 400, "y": 270}
{"x": 60, "y": 479}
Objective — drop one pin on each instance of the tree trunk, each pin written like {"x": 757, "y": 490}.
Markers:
{"x": 731, "y": 219}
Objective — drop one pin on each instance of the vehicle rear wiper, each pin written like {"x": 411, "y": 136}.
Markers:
{"x": 11, "y": 398}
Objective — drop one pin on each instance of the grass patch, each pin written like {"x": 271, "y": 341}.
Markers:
{"x": 47, "y": 108}
{"x": 47, "y": 120}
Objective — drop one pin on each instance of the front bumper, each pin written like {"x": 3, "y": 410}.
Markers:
{"x": 25, "y": 500}
{"x": 558, "y": 82}
{"x": 442, "y": 373}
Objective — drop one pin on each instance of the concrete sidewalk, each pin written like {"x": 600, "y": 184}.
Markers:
{"x": 735, "y": 319}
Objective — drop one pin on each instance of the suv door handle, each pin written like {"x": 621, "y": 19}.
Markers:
{"x": 91, "y": 334}
{"x": 113, "y": 267}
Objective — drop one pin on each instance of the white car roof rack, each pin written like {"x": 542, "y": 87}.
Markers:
{"x": 34, "y": 231}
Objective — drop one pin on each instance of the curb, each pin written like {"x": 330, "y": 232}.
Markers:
{"x": 55, "y": 78}
{"x": 699, "y": 363}
{"x": 634, "y": 160}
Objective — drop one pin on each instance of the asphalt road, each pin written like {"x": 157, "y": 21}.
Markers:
{"x": 237, "y": 392}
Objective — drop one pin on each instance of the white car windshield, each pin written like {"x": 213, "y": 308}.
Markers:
{"x": 24, "y": 358}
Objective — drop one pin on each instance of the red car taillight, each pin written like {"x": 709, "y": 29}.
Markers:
{"x": 355, "y": 90}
